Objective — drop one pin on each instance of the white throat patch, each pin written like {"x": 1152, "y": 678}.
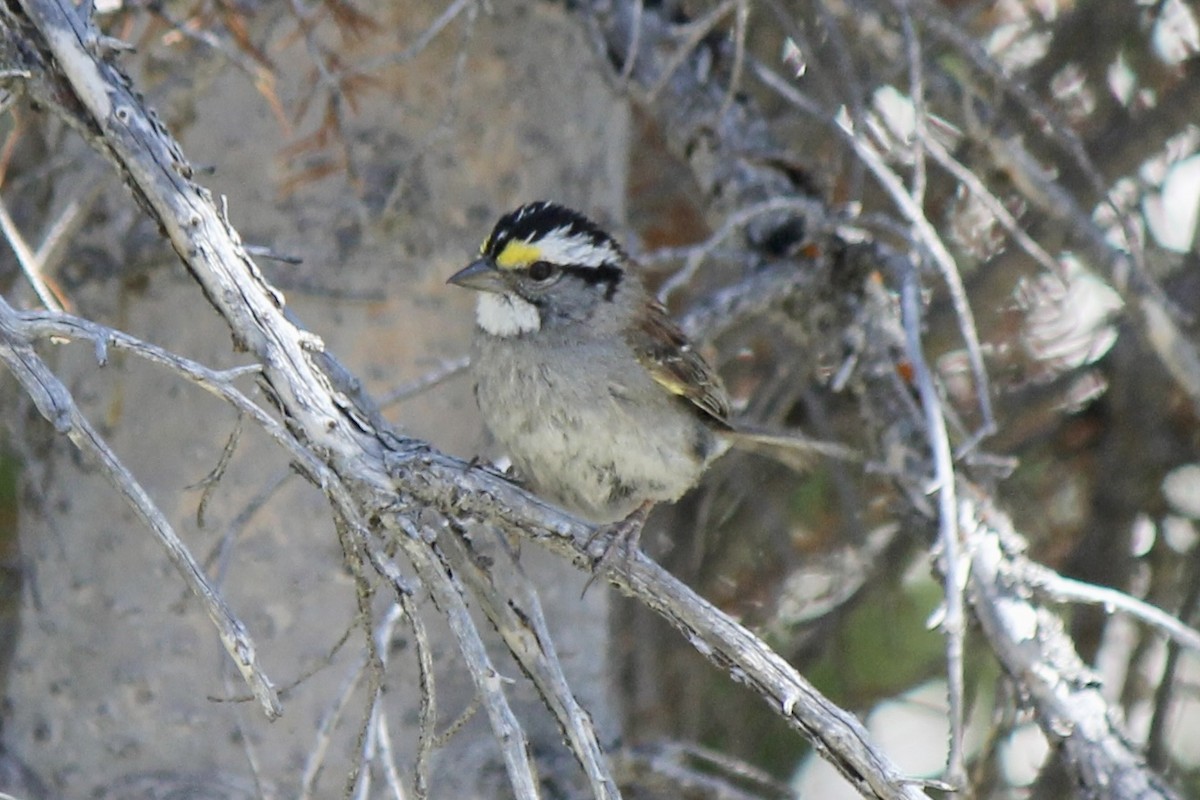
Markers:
{"x": 506, "y": 315}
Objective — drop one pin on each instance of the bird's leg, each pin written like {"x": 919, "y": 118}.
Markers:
{"x": 622, "y": 535}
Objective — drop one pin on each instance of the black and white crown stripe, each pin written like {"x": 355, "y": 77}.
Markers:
{"x": 563, "y": 236}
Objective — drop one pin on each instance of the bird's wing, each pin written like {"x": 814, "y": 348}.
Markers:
{"x": 669, "y": 357}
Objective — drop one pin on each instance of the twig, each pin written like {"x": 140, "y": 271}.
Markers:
{"x": 511, "y": 603}
{"x": 1033, "y": 647}
{"x": 386, "y": 752}
{"x": 210, "y": 481}
{"x": 427, "y": 717}
{"x": 916, "y": 92}
{"x": 352, "y": 536}
{"x": 335, "y": 97}
{"x": 315, "y": 761}
{"x": 925, "y": 233}
{"x": 447, "y": 594}
{"x": 440, "y": 374}
{"x": 692, "y": 34}
{"x": 698, "y": 771}
{"x": 376, "y": 718}
{"x": 458, "y": 71}
{"x": 1007, "y": 221}
{"x": 427, "y": 36}
{"x": 224, "y": 550}
{"x": 246, "y": 740}
{"x": 436, "y": 480}
{"x": 35, "y": 324}
{"x": 740, "y": 21}
{"x": 457, "y": 724}
{"x": 696, "y": 254}
{"x": 204, "y": 36}
{"x": 30, "y": 266}
{"x": 1156, "y": 744}
{"x": 72, "y": 217}
{"x": 953, "y": 578}
{"x": 55, "y": 403}
{"x": 635, "y": 42}
{"x": 1061, "y": 589}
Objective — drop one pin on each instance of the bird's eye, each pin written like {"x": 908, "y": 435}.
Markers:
{"x": 541, "y": 270}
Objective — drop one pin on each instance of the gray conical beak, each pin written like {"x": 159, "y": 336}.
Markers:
{"x": 480, "y": 275}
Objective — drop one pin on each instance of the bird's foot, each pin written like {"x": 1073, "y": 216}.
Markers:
{"x": 622, "y": 539}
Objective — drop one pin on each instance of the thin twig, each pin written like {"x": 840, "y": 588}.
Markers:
{"x": 447, "y": 594}
{"x": 327, "y": 79}
{"x": 425, "y": 39}
{"x": 954, "y": 579}
{"x": 740, "y": 21}
{"x": 56, "y": 405}
{"x": 210, "y": 481}
{"x": 261, "y": 783}
{"x": 1156, "y": 741}
{"x": 30, "y": 266}
{"x": 376, "y": 718}
{"x": 426, "y": 679}
{"x": 38, "y": 324}
{"x": 314, "y": 762}
{"x": 224, "y": 551}
{"x": 692, "y": 35}
{"x": 511, "y": 603}
{"x": 386, "y": 752}
{"x": 440, "y": 374}
{"x": 1068, "y": 590}
{"x": 351, "y": 536}
{"x": 635, "y": 43}
{"x": 916, "y": 92}
{"x": 925, "y": 232}
{"x": 458, "y": 723}
{"x": 203, "y": 35}
{"x": 72, "y": 217}
{"x": 696, "y": 254}
{"x": 993, "y": 204}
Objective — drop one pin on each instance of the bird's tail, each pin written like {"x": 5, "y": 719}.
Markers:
{"x": 793, "y": 450}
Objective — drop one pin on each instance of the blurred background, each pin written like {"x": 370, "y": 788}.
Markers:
{"x": 367, "y": 148}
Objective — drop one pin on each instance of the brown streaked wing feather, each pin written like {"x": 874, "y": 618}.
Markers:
{"x": 676, "y": 366}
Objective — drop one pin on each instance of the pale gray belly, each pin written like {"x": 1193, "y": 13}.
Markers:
{"x": 590, "y": 435}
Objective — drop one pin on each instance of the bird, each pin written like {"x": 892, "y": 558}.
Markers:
{"x": 582, "y": 377}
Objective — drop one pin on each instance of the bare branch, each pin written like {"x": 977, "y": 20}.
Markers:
{"x": 1067, "y": 590}
{"x": 442, "y": 482}
{"x": 56, "y": 405}
{"x": 1035, "y": 650}
{"x": 489, "y": 683}
{"x": 949, "y": 537}
{"x": 31, "y": 266}
{"x": 425, "y": 675}
{"x": 512, "y": 604}
{"x": 443, "y": 372}
{"x": 925, "y": 233}
{"x": 381, "y": 483}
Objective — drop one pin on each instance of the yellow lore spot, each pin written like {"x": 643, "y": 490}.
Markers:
{"x": 516, "y": 255}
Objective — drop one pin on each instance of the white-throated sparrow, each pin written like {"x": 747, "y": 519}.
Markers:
{"x": 583, "y": 378}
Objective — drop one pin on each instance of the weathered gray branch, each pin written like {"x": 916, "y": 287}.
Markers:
{"x": 55, "y": 403}
{"x": 373, "y": 477}
{"x": 380, "y": 482}
{"x": 725, "y": 146}
{"x": 1034, "y": 648}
